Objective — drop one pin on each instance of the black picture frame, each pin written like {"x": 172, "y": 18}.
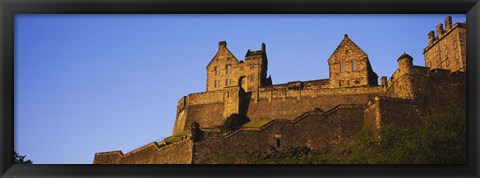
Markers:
{"x": 11, "y": 7}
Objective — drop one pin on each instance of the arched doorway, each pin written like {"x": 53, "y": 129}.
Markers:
{"x": 242, "y": 82}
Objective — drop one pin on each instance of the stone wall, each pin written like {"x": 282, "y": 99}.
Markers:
{"x": 154, "y": 153}
{"x": 288, "y": 104}
{"x": 319, "y": 131}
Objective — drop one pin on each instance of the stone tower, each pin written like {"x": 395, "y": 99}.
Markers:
{"x": 447, "y": 50}
{"x": 349, "y": 66}
{"x": 224, "y": 70}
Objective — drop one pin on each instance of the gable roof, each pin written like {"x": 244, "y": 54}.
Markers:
{"x": 346, "y": 42}
{"x": 229, "y": 53}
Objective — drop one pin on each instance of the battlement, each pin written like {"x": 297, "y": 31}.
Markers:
{"x": 440, "y": 32}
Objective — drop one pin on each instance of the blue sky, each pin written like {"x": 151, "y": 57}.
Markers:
{"x": 94, "y": 83}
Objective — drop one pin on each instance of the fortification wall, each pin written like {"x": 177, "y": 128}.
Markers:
{"x": 425, "y": 85}
{"x": 206, "y": 108}
{"x": 383, "y": 111}
{"x": 289, "y": 104}
{"x": 154, "y": 153}
{"x": 317, "y": 130}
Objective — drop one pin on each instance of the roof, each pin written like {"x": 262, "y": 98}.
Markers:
{"x": 405, "y": 55}
{"x": 254, "y": 53}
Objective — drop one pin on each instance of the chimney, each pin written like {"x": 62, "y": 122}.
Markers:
{"x": 448, "y": 23}
{"x": 383, "y": 80}
{"x": 439, "y": 30}
{"x": 431, "y": 37}
{"x": 222, "y": 44}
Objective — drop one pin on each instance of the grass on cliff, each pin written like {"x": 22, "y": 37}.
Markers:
{"x": 176, "y": 137}
{"x": 441, "y": 140}
{"x": 255, "y": 124}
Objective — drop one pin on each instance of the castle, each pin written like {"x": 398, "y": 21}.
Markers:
{"x": 242, "y": 111}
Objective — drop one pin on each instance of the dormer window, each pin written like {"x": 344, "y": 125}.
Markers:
{"x": 342, "y": 67}
{"x": 354, "y": 66}
{"x": 217, "y": 71}
{"x": 229, "y": 68}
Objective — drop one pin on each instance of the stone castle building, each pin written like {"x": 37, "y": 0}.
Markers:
{"x": 447, "y": 49}
{"x": 242, "y": 111}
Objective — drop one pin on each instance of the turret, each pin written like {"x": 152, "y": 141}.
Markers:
{"x": 405, "y": 63}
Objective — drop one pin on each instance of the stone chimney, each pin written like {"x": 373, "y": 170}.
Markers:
{"x": 448, "y": 23}
{"x": 383, "y": 80}
{"x": 431, "y": 37}
{"x": 439, "y": 30}
{"x": 222, "y": 44}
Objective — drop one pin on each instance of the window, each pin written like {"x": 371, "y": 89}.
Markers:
{"x": 227, "y": 82}
{"x": 454, "y": 35}
{"x": 277, "y": 142}
{"x": 217, "y": 83}
{"x": 251, "y": 66}
{"x": 455, "y": 45}
{"x": 348, "y": 83}
{"x": 456, "y": 55}
{"x": 458, "y": 66}
{"x": 447, "y": 63}
{"x": 340, "y": 83}
{"x": 217, "y": 71}
{"x": 229, "y": 68}
{"x": 446, "y": 52}
{"x": 354, "y": 66}
{"x": 250, "y": 78}
{"x": 357, "y": 81}
{"x": 342, "y": 67}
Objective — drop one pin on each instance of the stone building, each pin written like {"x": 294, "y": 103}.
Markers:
{"x": 242, "y": 111}
{"x": 446, "y": 49}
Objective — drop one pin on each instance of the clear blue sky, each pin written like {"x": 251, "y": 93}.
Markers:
{"x": 94, "y": 83}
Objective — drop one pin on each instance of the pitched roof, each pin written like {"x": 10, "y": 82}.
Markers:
{"x": 346, "y": 42}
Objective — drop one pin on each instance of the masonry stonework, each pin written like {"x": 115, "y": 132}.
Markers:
{"x": 314, "y": 114}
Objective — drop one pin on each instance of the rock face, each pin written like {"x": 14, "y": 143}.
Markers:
{"x": 242, "y": 112}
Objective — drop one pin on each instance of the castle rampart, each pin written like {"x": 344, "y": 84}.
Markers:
{"x": 315, "y": 114}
